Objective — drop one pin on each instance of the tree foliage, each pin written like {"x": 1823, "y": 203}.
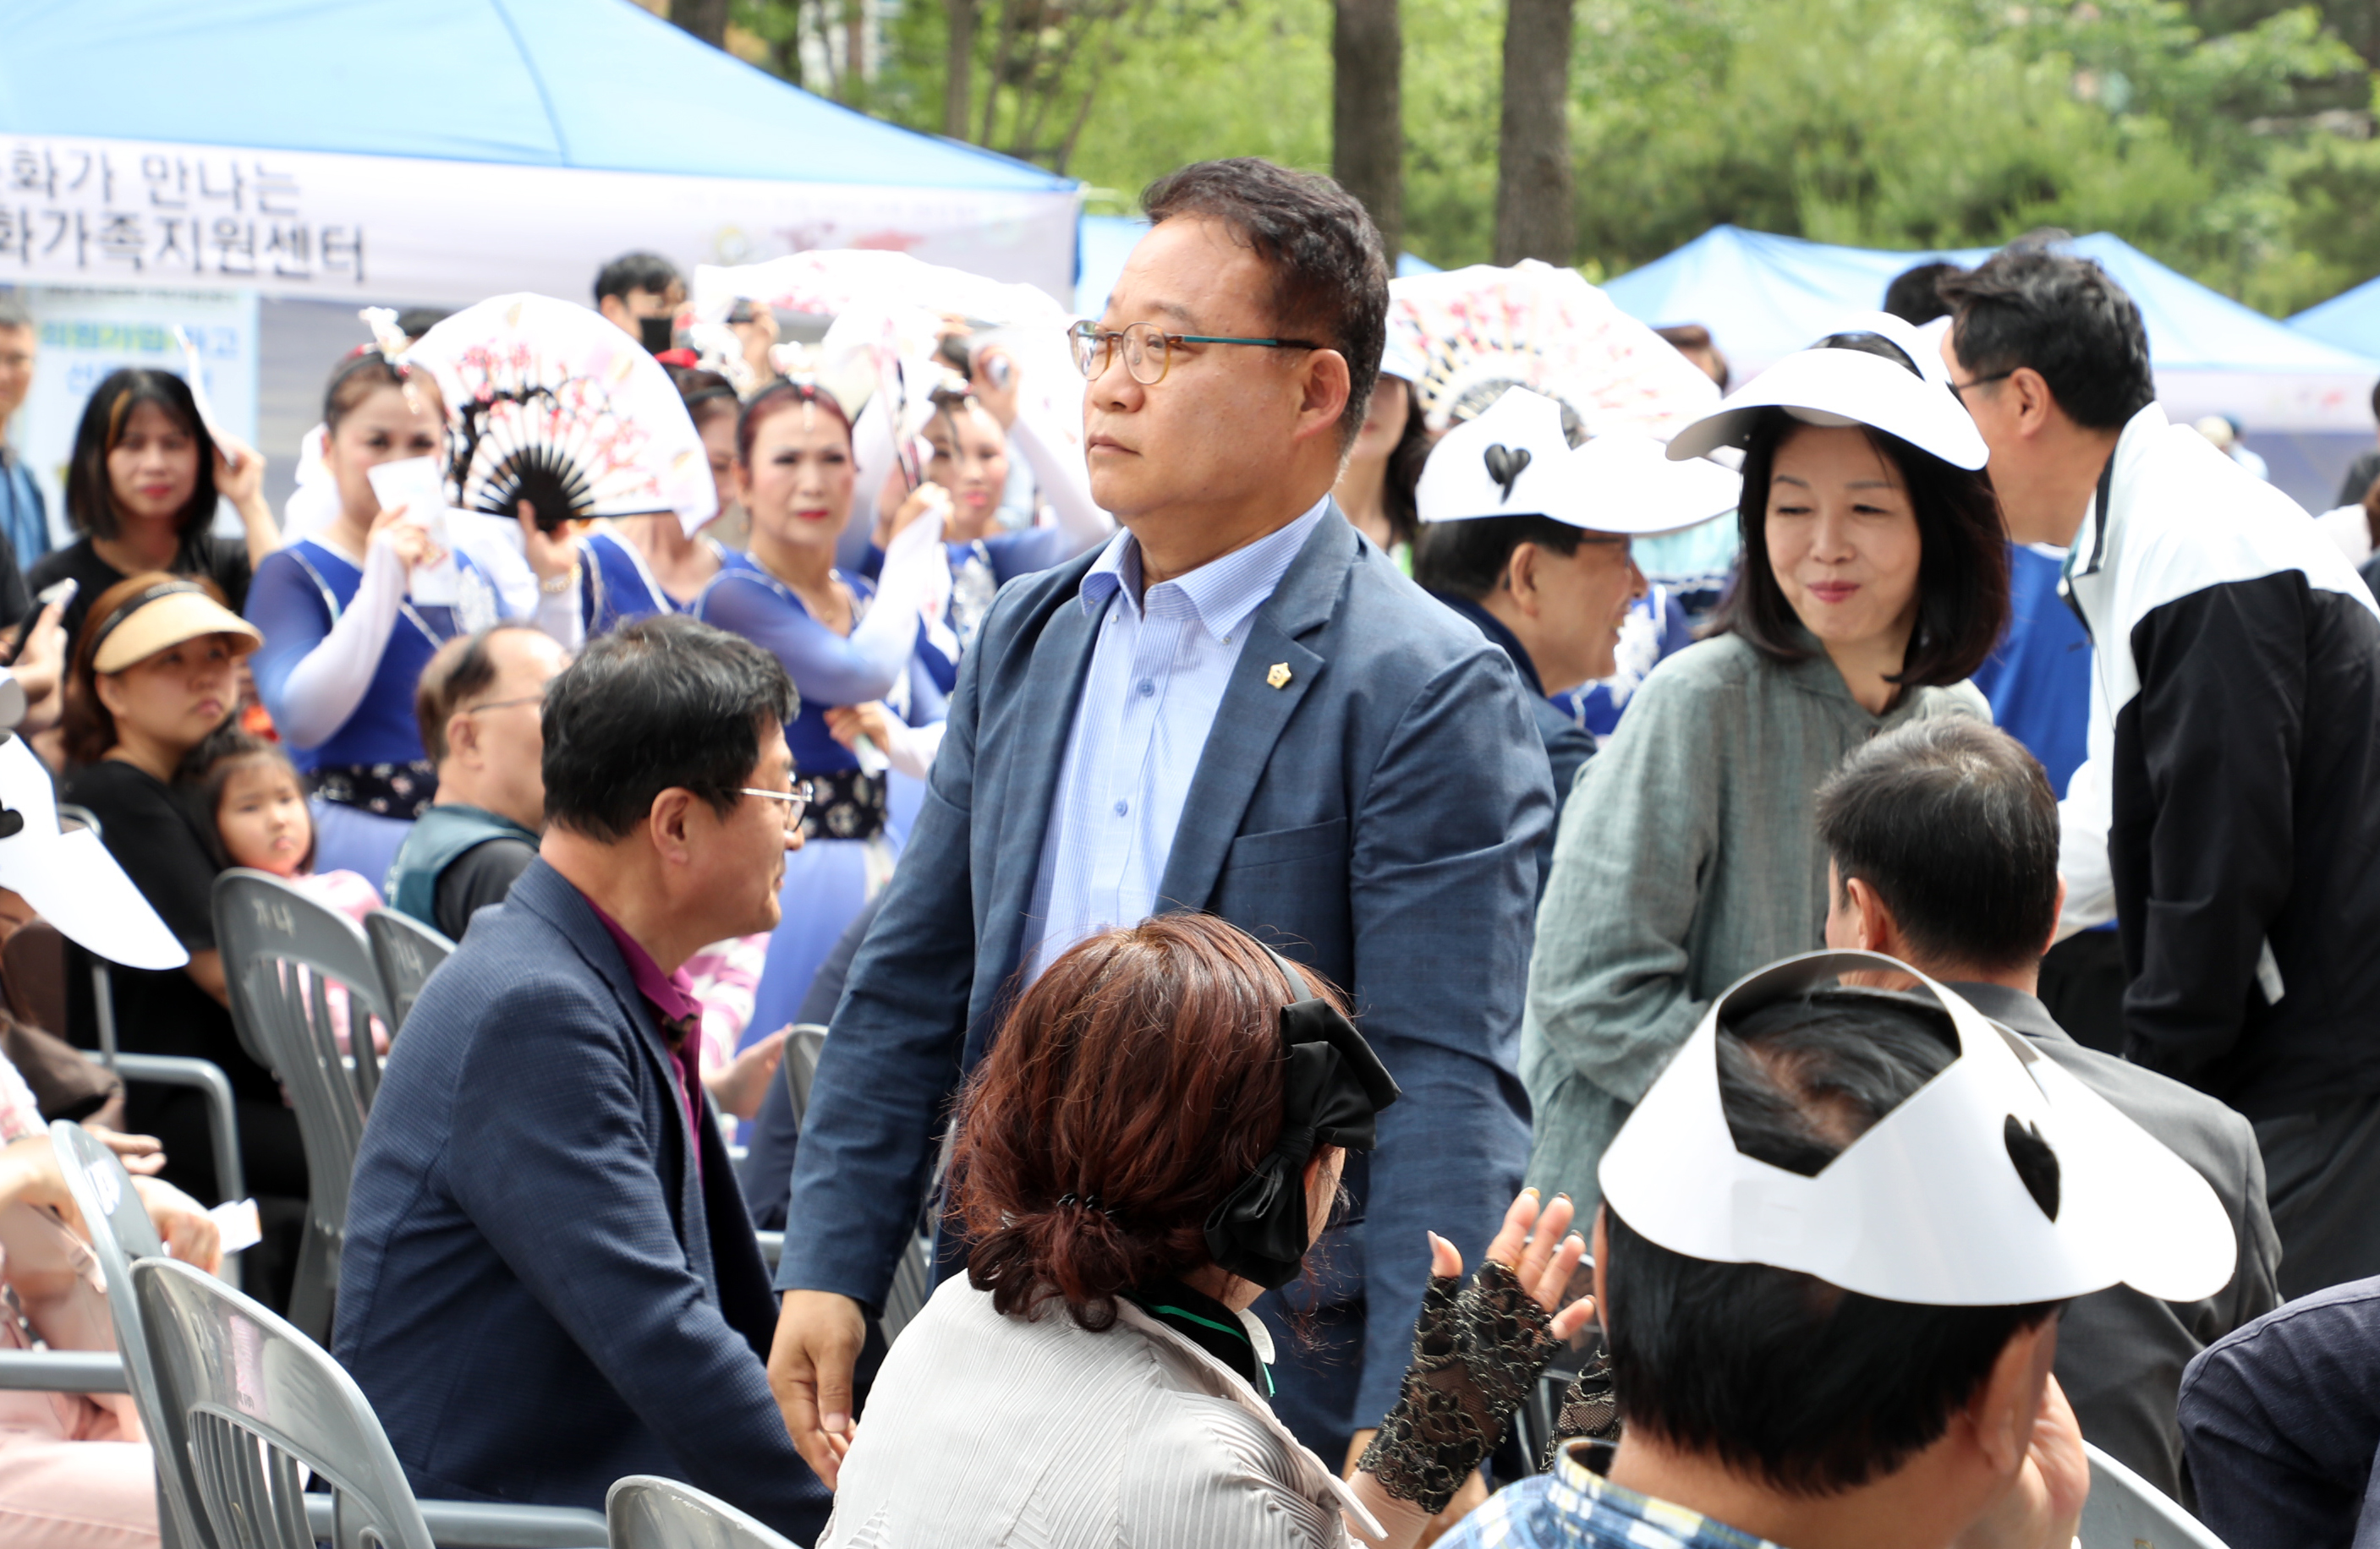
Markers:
{"x": 2230, "y": 138}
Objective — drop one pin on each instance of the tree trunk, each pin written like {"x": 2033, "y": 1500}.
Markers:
{"x": 1533, "y": 176}
{"x": 958, "y": 66}
{"x": 706, "y": 19}
{"x": 1368, "y": 122}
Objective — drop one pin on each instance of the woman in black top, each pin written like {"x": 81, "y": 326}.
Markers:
{"x": 155, "y": 672}
{"x": 141, "y": 489}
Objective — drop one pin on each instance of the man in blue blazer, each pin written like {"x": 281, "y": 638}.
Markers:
{"x": 1238, "y": 706}
{"x": 550, "y": 1280}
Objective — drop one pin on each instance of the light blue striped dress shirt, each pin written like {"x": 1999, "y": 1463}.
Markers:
{"x": 1157, "y": 677}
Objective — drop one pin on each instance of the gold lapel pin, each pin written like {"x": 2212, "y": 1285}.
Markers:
{"x": 1278, "y": 676}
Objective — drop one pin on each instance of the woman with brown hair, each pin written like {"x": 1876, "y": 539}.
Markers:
{"x": 1156, "y": 1138}
{"x": 154, "y": 672}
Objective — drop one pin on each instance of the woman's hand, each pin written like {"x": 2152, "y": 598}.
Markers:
{"x": 924, "y": 498}
{"x": 985, "y": 379}
{"x": 848, "y": 723}
{"x": 141, "y": 1155}
{"x": 30, "y": 1174}
{"x": 408, "y": 541}
{"x": 239, "y": 479}
{"x": 190, "y": 1232}
{"x": 740, "y": 1088}
{"x": 550, "y": 555}
{"x": 40, "y": 667}
{"x": 1477, "y": 1350}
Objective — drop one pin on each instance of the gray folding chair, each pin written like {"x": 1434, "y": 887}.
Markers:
{"x": 803, "y": 1047}
{"x": 2126, "y": 1511}
{"x": 407, "y": 952}
{"x": 257, "y": 1401}
{"x": 645, "y": 1511}
{"x": 204, "y": 1076}
{"x": 267, "y": 931}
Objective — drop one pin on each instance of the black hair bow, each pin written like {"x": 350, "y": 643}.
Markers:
{"x": 1332, "y": 1090}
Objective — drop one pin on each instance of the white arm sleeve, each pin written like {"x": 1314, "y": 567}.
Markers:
{"x": 873, "y": 458}
{"x": 889, "y": 634}
{"x": 557, "y": 615}
{"x": 324, "y": 689}
{"x": 1065, "y": 482}
{"x": 911, "y": 749}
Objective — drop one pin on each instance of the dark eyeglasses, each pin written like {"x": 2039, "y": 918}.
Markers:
{"x": 1959, "y": 389}
{"x": 1147, "y": 350}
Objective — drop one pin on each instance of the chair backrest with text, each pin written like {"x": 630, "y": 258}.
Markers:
{"x": 280, "y": 952}
{"x": 259, "y": 1402}
{"x": 407, "y": 952}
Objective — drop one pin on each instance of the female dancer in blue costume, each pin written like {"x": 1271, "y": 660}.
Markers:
{"x": 842, "y": 641}
{"x": 640, "y": 566}
{"x": 343, "y": 641}
{"x": 976, "y": 422}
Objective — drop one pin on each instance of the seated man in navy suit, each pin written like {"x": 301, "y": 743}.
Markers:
{"x": 1237, "y": 707}
{"x": 550, "y": 1279}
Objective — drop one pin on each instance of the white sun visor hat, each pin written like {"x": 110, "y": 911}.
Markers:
{"x": 1627, "y": 484}
{"x": 70, "y": 879}
{"x": 1928, "y": 1206}
{"x": 1839, "y": 386}
{"x": 1513, "y": 460}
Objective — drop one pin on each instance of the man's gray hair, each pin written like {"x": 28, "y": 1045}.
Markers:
{"x": 12, "y": 311}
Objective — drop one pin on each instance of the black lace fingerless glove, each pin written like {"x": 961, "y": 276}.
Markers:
{"x": 1477, "y": 1350}
{"x": 1589, "y": 1409}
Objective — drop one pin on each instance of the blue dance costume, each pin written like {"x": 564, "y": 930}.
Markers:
{"x": 616, "y": 584}
{"x": 848, "y": 853}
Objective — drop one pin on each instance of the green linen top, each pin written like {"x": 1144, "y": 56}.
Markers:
{"x": 1687, "y": 856}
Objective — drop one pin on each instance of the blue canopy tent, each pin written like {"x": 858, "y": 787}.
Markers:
{"x": 324, "y": 154}
{"x": 2302, "y": 401}
{"x": 460, "y": 148}
{"x": 2348, "y": 320}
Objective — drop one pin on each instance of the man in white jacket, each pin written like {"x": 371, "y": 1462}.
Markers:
{"x": 2228, "y": 813}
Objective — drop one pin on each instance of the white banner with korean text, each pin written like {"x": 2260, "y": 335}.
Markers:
{"x": 116, "y": 213}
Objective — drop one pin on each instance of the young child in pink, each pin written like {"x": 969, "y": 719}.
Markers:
{"x": 250, "y": 791}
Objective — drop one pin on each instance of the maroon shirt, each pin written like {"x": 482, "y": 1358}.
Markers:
{"x": 670, "y": 996}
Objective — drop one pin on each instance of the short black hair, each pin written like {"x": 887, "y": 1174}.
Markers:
{"x": 91, "y": 500}
{"x": 660, "y": 703}
{"x": 629, "y": 272}
{"x": 2061, "y": 315}
{"x": 1810, "y": 1387}
{"x": 414, "y": 321}
{"x": 1468, "y": 558}
{"x": 1963, "y": 569}
{"x": 1330, "y": 277}
{"x": 1916, "y": 295}
{"x": 1954, "y": 825}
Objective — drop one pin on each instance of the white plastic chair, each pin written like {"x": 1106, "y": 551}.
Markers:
{"x": 645, "y": 1511}
{"x": 2126, "y": 1511}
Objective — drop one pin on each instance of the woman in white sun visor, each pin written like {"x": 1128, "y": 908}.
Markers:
{"x": 1874, "y": 581}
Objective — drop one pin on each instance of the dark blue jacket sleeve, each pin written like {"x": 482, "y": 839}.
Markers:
{"x": 550, "y": 1157}
{"x": 893, "y": 1056}
{"x": 1444, "y": 896}
{"x": 2280, "y": 1420}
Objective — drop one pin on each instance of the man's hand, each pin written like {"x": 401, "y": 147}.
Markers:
{"x": 819, "y": 1336}
{"x": 2043, "y": 1509}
